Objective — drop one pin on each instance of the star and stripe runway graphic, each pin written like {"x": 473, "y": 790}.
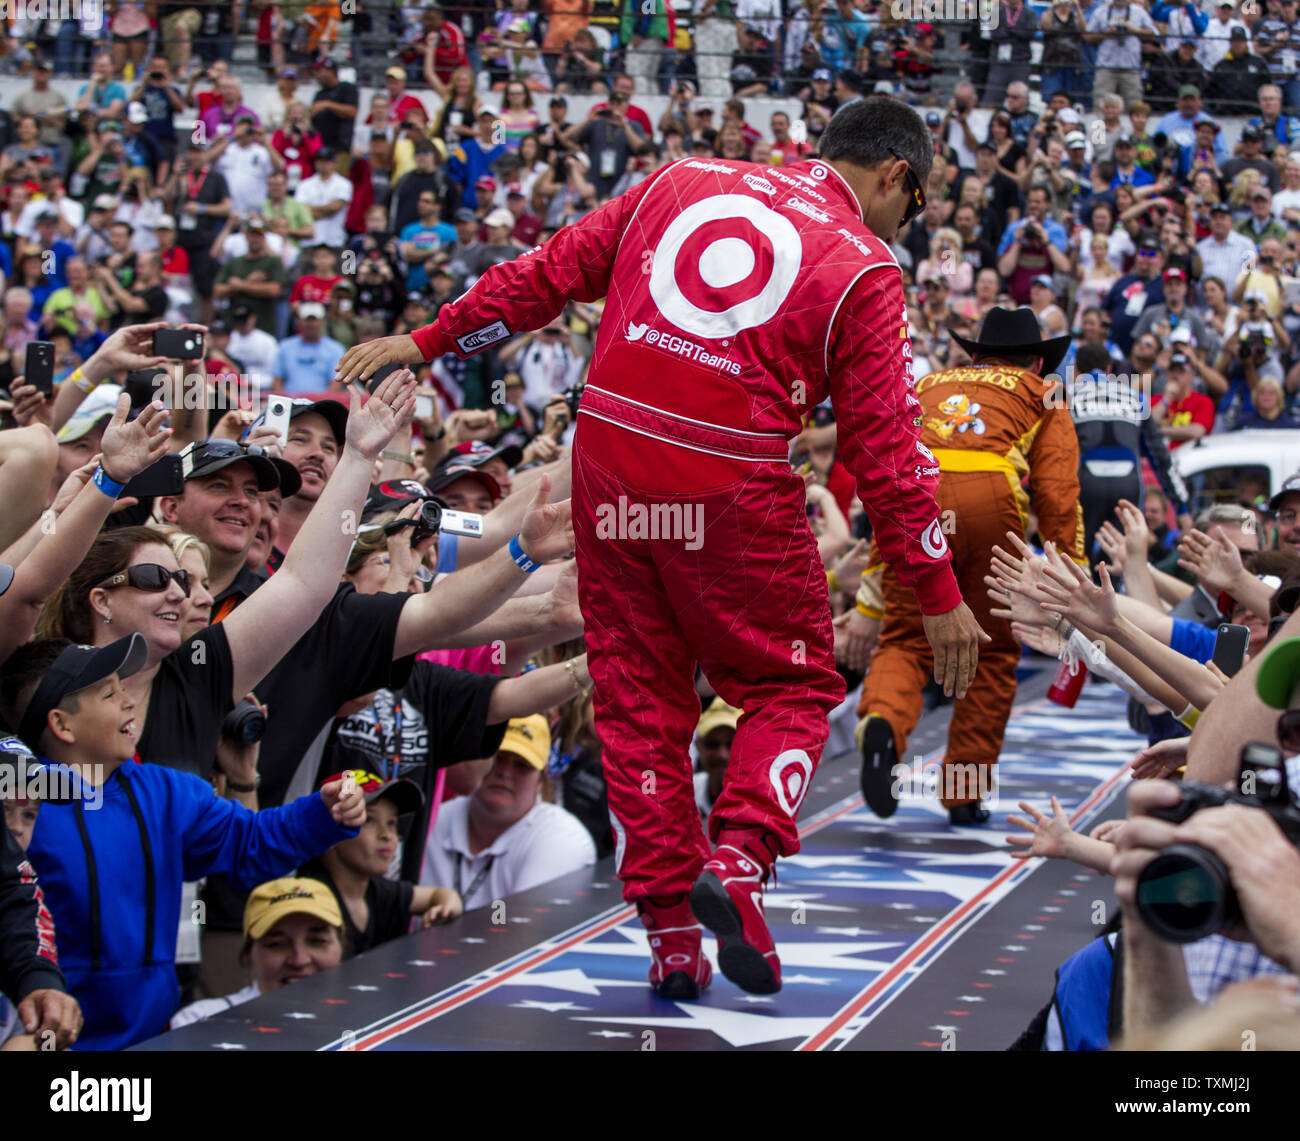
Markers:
{"x": 865, "y": 917}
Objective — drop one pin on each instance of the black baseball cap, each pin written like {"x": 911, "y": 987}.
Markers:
{"x": 1289, "y": 487}
{"x": 394, "y": 494}
{"x": 332, "y": 410}
{"x": 1220, "y": 208}
{"x": 75, "y": 669}
{"x": 405, "y": 794}
{"x": 211, "y": 456}
{"x": 1251, "y": 134}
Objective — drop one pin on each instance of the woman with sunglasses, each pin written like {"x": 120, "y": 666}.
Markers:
{"x": 130, "y": 581}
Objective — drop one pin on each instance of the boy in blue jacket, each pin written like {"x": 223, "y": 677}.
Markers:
{"x": 113, "y": 852}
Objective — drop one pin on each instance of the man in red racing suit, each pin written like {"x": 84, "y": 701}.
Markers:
{"x": 738, "y": 297}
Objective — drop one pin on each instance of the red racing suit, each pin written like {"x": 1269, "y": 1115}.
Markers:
{"x": 739, "y": 296}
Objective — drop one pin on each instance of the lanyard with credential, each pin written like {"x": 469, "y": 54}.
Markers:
{"x": 476, "y": 881}
{"x": 397, "y": 737}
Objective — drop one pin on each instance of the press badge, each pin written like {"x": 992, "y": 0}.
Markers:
{"x": 608, "y": 164}
{"x": 1004, "y": 53}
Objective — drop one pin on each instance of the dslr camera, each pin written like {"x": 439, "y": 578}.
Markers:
{"x": 245, "y": 724}
{"x": 573, "y": 396}
{"x": 1184, "y": 893}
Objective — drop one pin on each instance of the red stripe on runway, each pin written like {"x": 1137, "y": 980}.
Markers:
{"x": 863, "y": 999}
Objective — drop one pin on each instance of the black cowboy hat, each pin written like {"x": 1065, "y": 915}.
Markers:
{"x": 1016, "y": 331}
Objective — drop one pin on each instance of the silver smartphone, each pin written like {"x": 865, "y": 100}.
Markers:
{"x": 423, "y": 406}
{"x": 278, "y": 410}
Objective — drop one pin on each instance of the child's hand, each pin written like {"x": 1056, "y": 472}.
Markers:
{"x": 344, "y": 800}
{"x": 1047, "y": 836}
{"x": 1107, "y": 830}
{"x": 447, "y": 906}
{"x": 1161, "y": 760}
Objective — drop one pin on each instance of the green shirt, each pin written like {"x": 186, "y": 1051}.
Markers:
{"x": 263, "y": 307}
{"x": 62, "y": 300}
{"x": 297, "y": 213}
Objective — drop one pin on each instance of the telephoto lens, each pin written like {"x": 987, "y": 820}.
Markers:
{"x": 1184, "y": 894}
{"x": 244, "y": 724}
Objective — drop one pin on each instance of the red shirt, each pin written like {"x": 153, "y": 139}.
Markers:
{"x": 726, "y": 355}
{"x": 526, "y": 230}
{"x": 397, "y": 111}
{"x": 207, "y": 100}
{"x": 790, "y": 152}
{"x": 1194, "y": 408}
{"x": 175, "y": 260}
{"x": 313, "y": 288}
{"x": 450, "y": 52}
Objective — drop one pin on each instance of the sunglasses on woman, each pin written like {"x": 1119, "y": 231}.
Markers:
{"x": 917, "y": 203}
{"x": 151, "y": 578}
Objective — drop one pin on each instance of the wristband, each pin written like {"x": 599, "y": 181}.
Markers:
{"x": 81, "y": 382}
{"x": 400, "y": 457}
{"x": 869, "y": 611}
{"x": 231, "y": 786}
{"x": 522, "y": 561}
{"x": 202, "y": 208}
{"x": 108, "y": 486}
{"x": 833, "y": 581}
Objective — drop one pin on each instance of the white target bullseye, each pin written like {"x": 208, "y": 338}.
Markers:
{"x": 726, "y": 262}
{"x": 752, "y": 263}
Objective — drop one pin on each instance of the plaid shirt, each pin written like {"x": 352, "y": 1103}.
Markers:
{"x": 1215, "y": 963}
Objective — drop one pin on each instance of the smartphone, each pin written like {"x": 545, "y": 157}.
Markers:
{"x": 166, "y": 477}
{"x": 1230, "y": 644}
{"x": 178, "y": 344}
{"x": 801, "y": 462}
{"x": 423, "y": 407}
{"x": 39, "y": 369}
{"x": 278, "y": 410}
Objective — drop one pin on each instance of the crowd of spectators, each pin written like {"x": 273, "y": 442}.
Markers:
{"x": 428, "y": 742}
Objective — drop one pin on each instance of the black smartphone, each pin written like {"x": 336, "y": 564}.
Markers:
{"x": 178, "y": 344}
{"x": 39, "y": 369}
{"x": 166, "y": 477}
{"x": 1230, "y": 647}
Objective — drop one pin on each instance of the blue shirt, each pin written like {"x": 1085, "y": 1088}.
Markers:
{"x": 1177, "y": 128}
{"x": 117, "y": 946}
{"x": 105, "y": 98}
{"x": 1192, "y": 640}
{"x": 306, "y": 367}
{"x": 1051, "y": 227}
{"x": 426, "y": 237}
{"x": 1139, "y": 177}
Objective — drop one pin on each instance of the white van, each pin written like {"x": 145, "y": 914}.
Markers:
{"x": 1235, "y": 465}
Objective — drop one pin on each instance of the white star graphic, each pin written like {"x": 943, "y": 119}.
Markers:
{"x": 549, "y": 1007}
{"x": 299, "y": 1014}
{"x": 735, "y": 1027}
{"x": 573, "y": 980}
{"x": 228, "y": 1046}
{"x": 421, "y": 963}
{"x": 610, "y": 1033}
{"x": 473, "y": 939}
{"x": 362, "y": 986}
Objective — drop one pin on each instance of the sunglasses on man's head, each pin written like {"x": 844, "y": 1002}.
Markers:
{"x": 917, "y": 202}
{"x": 150, "y": 577}
{"x": 1148, "y": 253}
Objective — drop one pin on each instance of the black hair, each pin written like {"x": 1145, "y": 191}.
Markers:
{"x": 22, "y": 673}
{"x": 1091, "y": 357}
{"x": 868, "y": 132}
{"x": 1015, "y": 360}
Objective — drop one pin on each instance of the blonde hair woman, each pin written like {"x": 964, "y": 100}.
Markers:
{"x": 192, "y": 555}
{"x": 1096, "y": 279}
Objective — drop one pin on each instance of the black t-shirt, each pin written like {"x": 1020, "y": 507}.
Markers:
{"x": 388, "y": 901}
{"x": 336, "y": 131}
{"x": 979, "y": 254}
{"x": 189, "y": 698}
{"x": 347, "y": 652}
{"x": 211, "y": 191}
{"x": 155, "y": 297}
{"x": 443, "y": 722}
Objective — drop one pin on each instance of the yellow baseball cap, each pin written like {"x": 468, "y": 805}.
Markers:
{"x": 530, "y": 738}
{"x": 719, "y": 715}
{"x": 273, "y": 900}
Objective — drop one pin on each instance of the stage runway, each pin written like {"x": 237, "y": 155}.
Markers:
{"x": 904, "y": 934}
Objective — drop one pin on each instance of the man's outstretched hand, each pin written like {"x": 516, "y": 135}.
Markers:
{"x": 955, "y": 638}
{"x": 361, "y": 361}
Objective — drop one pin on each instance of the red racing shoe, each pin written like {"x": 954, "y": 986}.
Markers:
{"x": 728, "y": 900}
{"x": 680, "y": 969}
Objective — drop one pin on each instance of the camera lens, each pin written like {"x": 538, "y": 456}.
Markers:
{"x": 1184, "y": 894}
{"x": 244, "y": 724}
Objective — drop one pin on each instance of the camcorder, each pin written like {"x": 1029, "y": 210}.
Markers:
{"x": 245, "y": 724}
{"x": 436, "y": 517}
{"x": 1185, "y": 893}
